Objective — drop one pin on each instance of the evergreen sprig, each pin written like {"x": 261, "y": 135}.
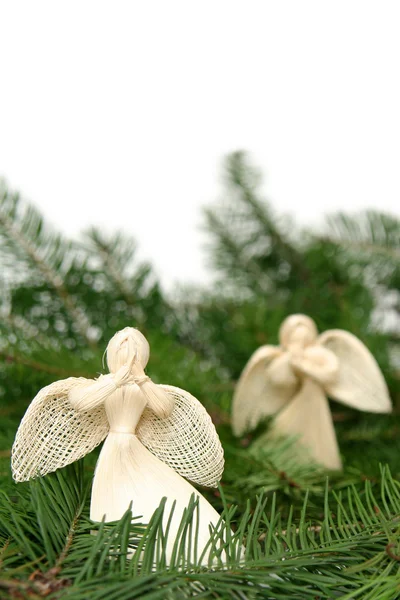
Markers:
{"x": 369, "y": 233}
{"x": 308, "y": 534}
{"x": 48, "y": 547}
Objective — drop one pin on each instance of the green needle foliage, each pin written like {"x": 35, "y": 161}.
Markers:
{"x": 289, "y": 529}
{"x": 50, "y": 548}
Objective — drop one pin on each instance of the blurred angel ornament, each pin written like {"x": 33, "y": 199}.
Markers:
{"x": 295, "y": 379}
{"x": 155, "y": 436}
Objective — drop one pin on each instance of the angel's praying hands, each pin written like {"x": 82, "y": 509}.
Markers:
{"x": 295, "y": 378}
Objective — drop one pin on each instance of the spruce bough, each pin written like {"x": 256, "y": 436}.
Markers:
{"x": 308, "y": 533}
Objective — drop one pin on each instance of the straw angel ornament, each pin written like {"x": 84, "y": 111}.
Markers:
{"x": 295, "y": 379}
{"x": 155, "y": 436}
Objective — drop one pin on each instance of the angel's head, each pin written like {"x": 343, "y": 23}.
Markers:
{"x": 126, "y": 346}
{"x": 297, "y": 330}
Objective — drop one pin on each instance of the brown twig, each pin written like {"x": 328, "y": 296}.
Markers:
{"x": 69, "y": 540}
{"x": 38, "y": 583}
{"x": 391, "y": 554}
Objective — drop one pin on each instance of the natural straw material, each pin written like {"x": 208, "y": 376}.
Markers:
{"x": 186, "y": 441}
{"x": 52, "y": 434}
{"x": 295, "y": 379}
{"x": 155, "y": 436}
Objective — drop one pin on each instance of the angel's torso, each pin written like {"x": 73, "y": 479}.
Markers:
{"x": 124, "y": 407}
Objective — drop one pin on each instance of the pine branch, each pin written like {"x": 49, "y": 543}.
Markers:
{"x": 370, "y": 231}
{"x": 245, "y": 179}
{"x": 229, "y": 246}
{"x": 116, "y": 255}
{"x": 42, "y": 367}
{"x": 48, "y": 254}
{"x": 247, "y": 238}
{"x": 352, "y": 551}
{"x": 19, "y": 326}
{"x": 304, "y": 538}
{"x": 23, "y": 344}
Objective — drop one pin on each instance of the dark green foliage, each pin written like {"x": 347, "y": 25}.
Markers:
{"x": 350, "y": 551}
{"x": 267, "y": 267}
{"x": 308, "y": 534}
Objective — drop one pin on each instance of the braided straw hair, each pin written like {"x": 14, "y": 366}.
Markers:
{"x": 129, "y": 350}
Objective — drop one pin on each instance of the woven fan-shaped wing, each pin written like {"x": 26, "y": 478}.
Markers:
{"x": 186, "y": 441}
{"x": 360, "y": 382}
{"x": 265, "y": 386}
{"x": 52, "y": 434}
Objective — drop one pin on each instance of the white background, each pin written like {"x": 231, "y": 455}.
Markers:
{"x": 120, "y": 113}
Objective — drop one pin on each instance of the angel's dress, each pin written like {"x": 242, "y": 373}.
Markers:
{"x": 126, "y": 472}
{"x": 309, "y": 418}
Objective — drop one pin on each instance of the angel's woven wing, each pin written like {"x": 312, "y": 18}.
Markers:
{"x": 186, "y": 441}
{"x": 52, "y": 434}
{"x": 360, "y": 382}
{"x": 265, "y": 386}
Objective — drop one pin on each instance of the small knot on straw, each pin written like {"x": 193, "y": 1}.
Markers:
{"x": 140, "y": 380}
